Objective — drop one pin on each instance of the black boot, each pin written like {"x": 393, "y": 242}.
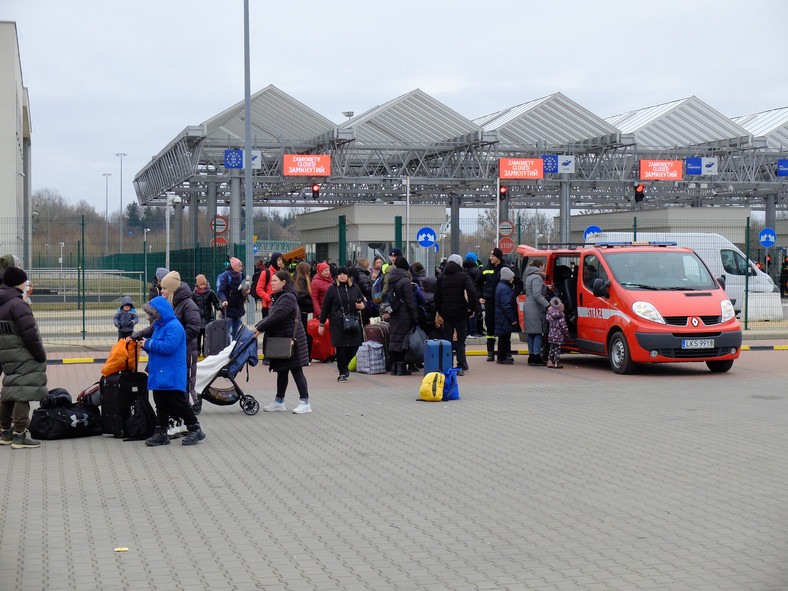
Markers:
{"x": 159, "y": 437}
{"x": 402, "y": 370}
{"x": 395, "y": 368}
{"x": 194, "y": 436}
{"x": 490, "y": 349}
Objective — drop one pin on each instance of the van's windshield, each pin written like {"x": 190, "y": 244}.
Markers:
{"x": 659, "y": 270}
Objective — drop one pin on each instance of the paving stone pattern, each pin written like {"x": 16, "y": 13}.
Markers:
{"x": 537, "y": 479}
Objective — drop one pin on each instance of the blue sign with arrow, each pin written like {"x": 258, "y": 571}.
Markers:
{"x": 591, "y": 232}
{"x": 426, "y": 237}
{"x": 767, "y": 237}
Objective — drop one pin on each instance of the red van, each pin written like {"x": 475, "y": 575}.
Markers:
{"x": 641, "y": 303}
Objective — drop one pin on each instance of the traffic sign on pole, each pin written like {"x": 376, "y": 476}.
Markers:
{"x": 219, "y": 224}
{"x": 506, "y": 228}
{"x": 506, "y": 245}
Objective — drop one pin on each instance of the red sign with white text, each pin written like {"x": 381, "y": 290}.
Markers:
{"x": 506, "y": 245}
{"x": 520, "y": 168}
{"x": 660, "y": 170}
{"x": 306, "y": 165}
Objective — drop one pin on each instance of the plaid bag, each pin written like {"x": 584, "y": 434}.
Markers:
{"x": 370, "y": 358}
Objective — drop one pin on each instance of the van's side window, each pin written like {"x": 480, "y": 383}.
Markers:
{"x": 733, "y": 262}
{"x": 592, "y": 269}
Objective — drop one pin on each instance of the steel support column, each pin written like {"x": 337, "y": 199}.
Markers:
{"x": 454, "y": 224}
{"x": 564, "y": 210}
{"x": 235, "y": 209}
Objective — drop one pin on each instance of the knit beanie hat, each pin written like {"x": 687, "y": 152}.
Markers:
{"x": 200, "y": 280}
{"x": 160, "y": 273}
{"x": 401, "y": 263}
{"x": 14, "y": 276}
{"x": 506, "y": 274}
{"x": 322, "y": 267}
{"x": 171, "y": 281}
{"x": 455, "y": 258}
{"x": 395, "y": 252}
{"x": 236, "y": 264}
{"x": 472, "y": 256}
{"x": 497, "y": 253}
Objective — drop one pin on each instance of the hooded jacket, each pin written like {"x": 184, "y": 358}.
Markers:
{"x": 227, "y": 291}
{"x": 320, "y": 286}
{"x": 505, "y": 309}
{"x": 263, "y": 287}
{"x": 401, "y": 321}
{"x": 454, "y": 285}
{"x": 341, "y": 299}
{"x": 535, "y": 302}
{"x": 126, "y": 320}
{"x": 21, "y": 351}
{"x": 166, "y": 349}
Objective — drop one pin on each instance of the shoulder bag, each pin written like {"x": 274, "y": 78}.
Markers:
{"x": 280, "y": 347}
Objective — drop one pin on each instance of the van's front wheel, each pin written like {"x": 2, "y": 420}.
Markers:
{"x": 618, "y": 354}
{"x": 720, "y": 366}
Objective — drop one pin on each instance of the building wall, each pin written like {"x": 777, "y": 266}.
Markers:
{"x": 14, "y": 144}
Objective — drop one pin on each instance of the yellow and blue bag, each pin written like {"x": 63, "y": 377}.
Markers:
{"x": 432, "y": 387}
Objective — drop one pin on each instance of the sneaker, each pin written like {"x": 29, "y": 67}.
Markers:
{"x": 6, "y": 437}
{"x": 176, "y": 429}
{"x": 303, "y": 407}
{"x": 22, "y": 441}
{"x": 157, "y": 439}
{"x": 461, "y": 371}
{"x": 275, "y": 407}
{"x": 194, "y": 437}
{"x": 342, "y": 378}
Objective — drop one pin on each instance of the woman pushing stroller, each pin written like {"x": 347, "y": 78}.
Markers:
{"x": 284, "y": 320}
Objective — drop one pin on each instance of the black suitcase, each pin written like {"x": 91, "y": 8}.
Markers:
{"x": 215, "y": 337}
{"x": 379, "y": 333}
{"x": 123, "y": 395}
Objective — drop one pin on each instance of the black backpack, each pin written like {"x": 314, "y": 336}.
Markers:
{"x": 256, "y": 278}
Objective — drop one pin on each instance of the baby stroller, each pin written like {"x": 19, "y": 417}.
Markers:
{"x": 226, "y": 364}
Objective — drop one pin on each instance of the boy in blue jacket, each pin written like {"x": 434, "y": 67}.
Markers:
{"x": 166, "y": 350}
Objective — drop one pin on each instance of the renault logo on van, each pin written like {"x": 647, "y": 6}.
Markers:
{"x": 695, "y": 321}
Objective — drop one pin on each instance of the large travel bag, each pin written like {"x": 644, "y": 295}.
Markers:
{"x": 126, "y": 411}
{"x": 437, "y": 356}
{"x": 321, "y": 345}
{"x": 215, "y": 337}
{"x": 65, "y": 422}
{"x": 379, "y": 333}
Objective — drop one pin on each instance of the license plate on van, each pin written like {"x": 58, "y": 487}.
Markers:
{"x": 697, "y": 343}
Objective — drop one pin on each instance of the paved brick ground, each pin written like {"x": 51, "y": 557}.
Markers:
{"x": 539, "y": 479}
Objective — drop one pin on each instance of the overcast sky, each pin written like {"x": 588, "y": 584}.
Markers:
{"x": 107, "y": 77}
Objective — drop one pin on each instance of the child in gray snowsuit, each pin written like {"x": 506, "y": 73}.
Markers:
{"x": 126, "y": 318}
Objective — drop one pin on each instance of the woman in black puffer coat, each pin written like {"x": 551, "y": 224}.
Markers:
{"x": 404, "y": 318}
{"x": 283, "y": 317}
{"x": 343, "y": 298}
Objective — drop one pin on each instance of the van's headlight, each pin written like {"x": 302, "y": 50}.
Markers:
{"x": 648, "y": 311}
{"x": 727, "y": 310}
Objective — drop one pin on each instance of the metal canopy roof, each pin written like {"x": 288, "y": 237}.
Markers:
{"x": 682, "y": 123}
{"x": 414, "y": 118}
{"x": 553, "y": 121}
{"x": 771, "y": 125}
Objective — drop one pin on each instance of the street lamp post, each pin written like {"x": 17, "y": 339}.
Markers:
{"x": 145, "y": 250}
{"x": 106, "y": 176}
{"x": 62, "y": 278}
{"x": 171, "y": 200}
{"x": 121, "y": 155}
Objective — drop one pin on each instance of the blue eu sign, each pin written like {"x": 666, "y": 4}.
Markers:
{"x": 233, "y": 158}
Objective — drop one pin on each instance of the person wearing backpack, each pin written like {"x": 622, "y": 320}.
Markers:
{"x": 402, "y": 317}
{"x": 232, "y": 297}
{"x": 263, "y": 286}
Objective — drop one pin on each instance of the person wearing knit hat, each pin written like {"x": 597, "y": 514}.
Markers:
{"x": 455, "y": 302}
{"x": 233, "y": 300}
{"x": 476, "y": 321}
{"x": 171, "y": 282}
{"x": 207, "y": 304}
{"x": 320, "y": 284}
{"x": 534, "y": 310}
{"x": 557, "y": 332}
{"x": 506, "y": 320}
{"x": 155, "y": 288}
{"x": 491, "y": 276}
{"x": 263, "y": 286}
{"x": 471, "y": 256}
{"x": 24, "y": 362}
{"x": 395, "y": 252}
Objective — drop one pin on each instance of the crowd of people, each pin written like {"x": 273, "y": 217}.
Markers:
{"x": 464, "y": 298}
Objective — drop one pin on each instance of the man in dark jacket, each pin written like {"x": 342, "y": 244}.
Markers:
{"x": 491, "y": 275}
{"x": 469, "y": 265}
{"x": 232, "y": 296}
{"x": 24, "y": 362}
{"x": 455, "y": 300}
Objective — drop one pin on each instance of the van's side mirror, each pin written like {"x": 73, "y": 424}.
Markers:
{"x": 721, "y": 281}
{"x": 600, "y": 288}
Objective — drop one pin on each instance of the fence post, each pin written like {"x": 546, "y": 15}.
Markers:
{"x": 747, "y": 279}
{"x": 398, "y": 231}
{"x": 342, "y": 239}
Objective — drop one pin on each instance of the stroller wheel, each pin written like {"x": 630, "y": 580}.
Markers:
{"x": 197, "y": 406}
{"x": 250, "y": 406}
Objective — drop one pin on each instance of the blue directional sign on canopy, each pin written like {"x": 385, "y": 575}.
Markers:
{"x": 591, "y": 232}
{"x": 426, "y": 237}
{"x": 767, "y": 237}
{"x": 233, "y": 159}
